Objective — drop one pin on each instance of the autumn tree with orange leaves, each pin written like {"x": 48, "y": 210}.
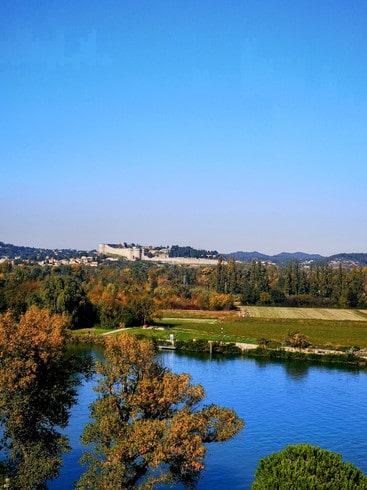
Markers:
{"x": 36, "y": 393}
{"x": 149, "y": 425}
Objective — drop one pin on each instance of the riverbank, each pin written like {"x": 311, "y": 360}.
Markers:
{"x": 282, "y": 402}
{"x": 335, "y": 336}
{"x": 211, "y": 347}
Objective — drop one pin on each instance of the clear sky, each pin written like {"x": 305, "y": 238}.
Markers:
{"x": 227, "y": 125}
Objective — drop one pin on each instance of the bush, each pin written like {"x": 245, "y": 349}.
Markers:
{"x": 304, "y": 467}
{"x": 201, "y": 345}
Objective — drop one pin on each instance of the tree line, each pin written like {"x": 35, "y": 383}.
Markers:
{"x": 294, "y": 285}
{"x": 131, "y": 293}
{"x": 192, "y": 253}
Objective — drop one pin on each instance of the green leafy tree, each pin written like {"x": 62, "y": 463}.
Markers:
{"x": 355, "y": 289}
{"x": 147, "y": 425}
{"x": 277, "y": 296}
{"x": 17, "y": 290}
{"x": 64, "y": 294}
{"x": 338, "y": 285}
{"x": 138, "y": 311}
{"x": 220, "y": 277}
{"x": 305, "y": 467}
{"x": 288, "y": 280}
{"x": 255, "y": 282}
{"x": 326, "y": 281}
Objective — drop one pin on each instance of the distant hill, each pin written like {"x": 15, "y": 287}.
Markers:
{"x": 358, "y": 259}
{"x": 346, "y": 259}
{"x": 246, "y": 256}
{"x": 12, "y": 252}
{"x": 279, "y": 259}
{"x": 301, "y": 256}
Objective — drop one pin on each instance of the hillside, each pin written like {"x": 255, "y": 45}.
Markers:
{"x": 346, "y": 259}
{"x": 11, "y": 252}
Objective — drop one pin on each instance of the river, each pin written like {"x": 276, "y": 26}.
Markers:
{"x": 281, "y": 402}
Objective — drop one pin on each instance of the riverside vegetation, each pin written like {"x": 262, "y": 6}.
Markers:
{"x": 232, "y": 302}
{"x": 326, "y": 341}
{"x": 148, "y": 424}
{"x": 39, "y": 306}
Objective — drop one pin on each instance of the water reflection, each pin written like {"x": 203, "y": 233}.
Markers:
{"x": 296, "y": 370}
{"x": 32, "y": 417}
{"x": 282, "y": 403}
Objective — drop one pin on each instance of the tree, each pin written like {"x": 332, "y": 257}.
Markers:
{"x": 221, "y": 302}
{"x": 355, "y": 292}
{"x": 303, "y": 467}
{"x": 138, "y": 311}
{"x": 17, "y": 290}
{"x": 111, "y": 307}
{"x": 220, "y": 279}
{"x": 147, "y": 426}
{"x": 255, "y": 282}
{"x": 64, "y": 294}
{"x": 36, "y": 393}
{"x": 297, "y": 340}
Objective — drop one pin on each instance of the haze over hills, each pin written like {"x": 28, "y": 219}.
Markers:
{"x": 347, "y": 259}
{"x": 11, "y": 252}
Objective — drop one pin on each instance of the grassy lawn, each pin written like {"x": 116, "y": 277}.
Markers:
{"x": 90, "y": 331}
{"x": 324, "y": 327}
{"x": 321, "y": 333}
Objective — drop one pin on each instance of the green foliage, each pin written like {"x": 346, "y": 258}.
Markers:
{"x": 256, "y": 281}
{"x": 305, "y": 467}
{"x": 18, "y": 289}
{"x": 202, "y": 345}
{"x": 138, "y": 311}
{"x": 64, "y": 294}
{"x": 177, "y": 251}
{"x": 116, "y": 310}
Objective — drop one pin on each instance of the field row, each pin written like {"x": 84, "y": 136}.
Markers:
{"x": 304, "y": 313}
{"x": 276, "y": 312}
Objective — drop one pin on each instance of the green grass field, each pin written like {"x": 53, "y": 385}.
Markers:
{"x": 324, "y": 327}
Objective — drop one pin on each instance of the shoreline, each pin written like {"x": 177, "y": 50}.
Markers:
{"x": 311, "y": 354}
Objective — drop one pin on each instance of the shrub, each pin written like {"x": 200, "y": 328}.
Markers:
{"x": 304, "y": 467}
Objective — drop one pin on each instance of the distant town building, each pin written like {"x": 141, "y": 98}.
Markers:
{"x": 147, "y": 252}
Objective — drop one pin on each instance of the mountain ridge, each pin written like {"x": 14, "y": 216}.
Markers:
{"x": 359, "y": 259}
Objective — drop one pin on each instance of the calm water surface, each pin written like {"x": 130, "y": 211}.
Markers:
{"x": 281, "y": 403}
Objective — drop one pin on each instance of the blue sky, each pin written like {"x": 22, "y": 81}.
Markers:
{"x": 228, "y": 125}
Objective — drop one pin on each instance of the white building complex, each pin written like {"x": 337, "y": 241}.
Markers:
{"x": 139, "y": 252}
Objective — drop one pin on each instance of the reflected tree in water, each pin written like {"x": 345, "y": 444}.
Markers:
{"x": 37, "y": 389}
